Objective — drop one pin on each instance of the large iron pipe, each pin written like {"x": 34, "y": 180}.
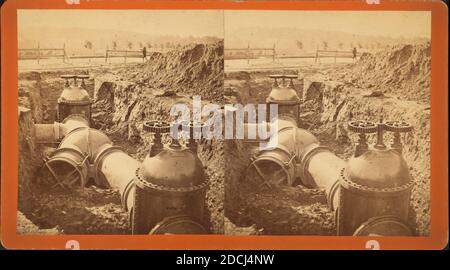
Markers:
{"x": 51, "y": 133}
{"x": 115, "y": 169}
{"x": 88, "y": 153}
{"x": 313, "y": 173}
{"x": 278, "y": 161}
{"x": 296, "y": 153}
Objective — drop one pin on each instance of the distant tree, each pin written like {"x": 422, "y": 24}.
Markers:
{"x": 149, "y": 45}
{"x": 114, "y": 45}
{"x": 141, "y": 45}
{"x": 130, "y": 45}
{"x": 299, "y": 45}
{"x": 360, "y": 45}
{"x": 325, "y": 45}
{"x": 341, "y": 45}
{"x": 88, "y": 45}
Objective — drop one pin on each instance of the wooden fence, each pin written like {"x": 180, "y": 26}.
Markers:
{"x": 250, "y": 53}
{"x": 123, "y": 53}
{"x": 253, "y": 53}
{"x": 39, "y": 54}
{"x": 42, "y": 53}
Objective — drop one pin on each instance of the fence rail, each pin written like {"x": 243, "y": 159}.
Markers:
{"x": 249, "y": 53}
{"x": 39, "y": 54}
{"x": 42, "y": 53}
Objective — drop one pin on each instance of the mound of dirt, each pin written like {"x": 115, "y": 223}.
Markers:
{"x": 193, "y": 69}
{"x": 405, "y": 69}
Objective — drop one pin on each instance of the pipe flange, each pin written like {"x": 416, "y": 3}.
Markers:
{"x": 146, "y": 185}
{"x": 77, "y": 117}
{"x": 388, "y": 191}
{"x": 377, "y": 226}
{"x": 125, "y": 194}
{"x": 397, "y": 126}
{"x": 361, "y": 126}
{"x": 330, "y": 198}
{"x": 172, "y": 224}
{"x": 157, "y": 126}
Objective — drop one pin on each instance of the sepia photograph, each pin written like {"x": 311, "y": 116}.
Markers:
{"x": 352, "y": 151}
{"x": 228, "y": 122}
{"x": 96, "y": 88}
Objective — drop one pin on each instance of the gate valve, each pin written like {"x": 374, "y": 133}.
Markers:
{"x": 362, "y": 127}
{"x": 83, "y": 77}
{"x": 291, "y": 78}
{"x": 397, "y": 127}
{"x": 67, "y": 77}
{"x": 275, "y": 77}
{"x": 157, "y": 128}
{"x": 194, "y": 129}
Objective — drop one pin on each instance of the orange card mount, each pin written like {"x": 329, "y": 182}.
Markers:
{"x": 79, "y": 171}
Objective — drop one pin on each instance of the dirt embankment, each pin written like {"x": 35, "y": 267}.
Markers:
{"x": 402, "y": 71}
{"x": 331, "y": 98}
{"x": 195, "y": 69}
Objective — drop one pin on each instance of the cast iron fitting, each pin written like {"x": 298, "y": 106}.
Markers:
{"x": 195, "y": 131}
{"x": 362, "y": 128}
{"x": 397, "y": 127}
{"x": 173, "y": 180}
{"x": 179, "y": 225}
{"x": 285, "y": 97}
{"x": 314, "y": 174}
{"x": 74, "y": 99}
{"x": 115, "y": 169}
{"x": 67, "y": 167}
{"x": 287, "y": 146}
{"x": 53, "y": 133}
{"x": 309, "y": 152}
{"x": 158, "y": 128}
{"x": 103, "y": 152}
{"x": 378, "y": 182}
{"x": 74, "y": 121}
{"x": 383, "y": 226}
{"x": 274, "y": 166}
{"x": 88, "y": 140}
{"x": 49, "y": 133}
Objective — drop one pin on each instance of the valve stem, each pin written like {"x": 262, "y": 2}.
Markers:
{"x": 380, "y": 128}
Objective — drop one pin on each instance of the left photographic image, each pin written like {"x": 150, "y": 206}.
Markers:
{"x": 97, "y": 91}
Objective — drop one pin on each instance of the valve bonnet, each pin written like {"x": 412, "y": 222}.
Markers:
{"x": 378, "y": 169}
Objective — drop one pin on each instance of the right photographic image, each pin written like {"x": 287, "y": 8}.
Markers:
{"x": 336, "y": 118}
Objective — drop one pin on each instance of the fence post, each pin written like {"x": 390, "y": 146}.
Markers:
{"x": 106, "y": 55}
{"x": 317, "y": 55}
{"x": 64, "y": 53}
{"x": 38, "y": 53}
{"x": 248, "y": 53}
{"x": 273, "y": 53}
{"x": 126, "y": 52}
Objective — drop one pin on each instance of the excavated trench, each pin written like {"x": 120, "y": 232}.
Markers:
{"x": 119, "y": 110}
{"x": 328, "y": 104}
{"x": 236, "y": 204}
{"x": 123, "y": 99}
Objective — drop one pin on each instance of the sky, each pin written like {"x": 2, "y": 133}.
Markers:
{"x": 212, "y": 22}
{"x": 195, "y": 23}
{"x": 377, "y": 23}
